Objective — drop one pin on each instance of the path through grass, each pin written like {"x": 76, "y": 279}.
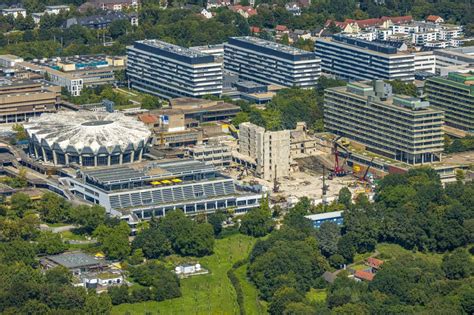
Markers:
{"x": 208, "y": 294}
{"x": 252, "y": 304}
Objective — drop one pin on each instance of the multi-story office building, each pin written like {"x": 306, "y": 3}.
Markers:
{"x": 425, "y": 61}
{"x": 267, "y": 62}
{"x": 462, "y": 56}
{"x": 219, "y": 155}
{"x": 455, "y": 95}
{"x": 266, "y": 153}
{"x": 170, "y": 71}
{"x": 73, "y": 73}
{"x": 400, "y": 127}
{"x": 153, "y": 189}
{"x": 355, "y": 59}
{"x": 25, "y": 99}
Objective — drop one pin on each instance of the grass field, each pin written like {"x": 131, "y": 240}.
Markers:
{"x": 392, "y": 251}
{"x": 69, "y": 235}
{"x": 208, "y": 294}
{"x": 252, "y": 304}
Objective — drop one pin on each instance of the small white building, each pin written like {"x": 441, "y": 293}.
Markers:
{"x": 56, "y": 9}
{"x": 99, "y": 281}
{"x": 188, "y": 269}
{"x": 15, "y": 12}
{"x": 206, "y": 14}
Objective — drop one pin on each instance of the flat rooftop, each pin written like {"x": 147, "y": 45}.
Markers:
{"x": 325, "y": 215}
{"x": 173, "y": 49}
{"x": 394, "y": 101}
{"x": 19, "y": 83}
{"x": 272, "y": 45}
{"x": 382, "y": 49}
{"x": 146, "y": 171}
{"x": 74, "y": 260}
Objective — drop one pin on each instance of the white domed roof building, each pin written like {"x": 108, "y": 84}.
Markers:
{"x": 87, "y": 138}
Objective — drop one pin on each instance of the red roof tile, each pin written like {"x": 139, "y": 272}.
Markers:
{"x": 373, "y": 22}
{"x": 364, "y": 275}
{"x": 399, "y": 19}
{"x": 281, "y": 28}
{"x": 374, "y": 262}
{"x": 433, "y": 18}
{"x": 148, "y": 119}
{"x": 254, "y": 29}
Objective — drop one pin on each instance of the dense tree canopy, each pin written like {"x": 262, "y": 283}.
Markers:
{"x": 257, "y": 222}
{"x": 288, "y": 258}
{"x": 175, "y": 233}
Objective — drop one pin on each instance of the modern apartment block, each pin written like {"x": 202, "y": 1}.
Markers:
{"x": 399, "y": 127}
{"x": 455, "y": 95}
{"x": 170, "y": 71}
{"x": 267, "y": 62}
{"x": 266, "y": 153}
{"x": 355, "y": 59}
{"x": 21, "y": 100}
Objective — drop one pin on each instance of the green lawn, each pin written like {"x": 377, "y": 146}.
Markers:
{"x": 207, "y": 294}
{"x": 361, "y": 257}
{"x": 69, "y": 235}
{"x": 391, "y": 251}
{"x": 252, "y": 304}
{"x": 360, "y": 266}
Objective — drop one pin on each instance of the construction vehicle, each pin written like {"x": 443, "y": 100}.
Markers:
{"x": 365, "y": 182}
{"x": 338, "y": 167}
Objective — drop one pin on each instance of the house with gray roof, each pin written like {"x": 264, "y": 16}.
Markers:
{"x": 77, "y": 262}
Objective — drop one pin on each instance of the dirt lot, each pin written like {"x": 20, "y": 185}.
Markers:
{"x": 299, "y": 185}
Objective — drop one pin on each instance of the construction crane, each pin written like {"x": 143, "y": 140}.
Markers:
{"x": 364, "y": 178}
{"x": 325, "y": 187}
{"x": 338, "y": 167}
{"x": 276, "y": 184}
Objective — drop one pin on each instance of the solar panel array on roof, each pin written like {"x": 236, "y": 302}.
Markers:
{"x": 114, "y": 174}
{"x": 188, "y": 166}
{"x": 160, "y": 196}
{"x": 375, "y": 46}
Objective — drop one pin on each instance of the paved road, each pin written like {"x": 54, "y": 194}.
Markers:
{"x": 58, "y": 229}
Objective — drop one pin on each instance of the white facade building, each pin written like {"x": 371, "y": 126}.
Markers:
{"x": 267, "y": 152}
{"x": 355, "y": 59}
{"x": 425, "y": 61}
{"x": 15, "y": 12}
{"x": 56, "y": 9}
{"x": 267, "y": 62}
{"x": 169, "y": 71}
{"x": 87, "y": 138}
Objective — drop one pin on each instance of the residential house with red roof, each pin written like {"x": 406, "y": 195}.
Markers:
{"x": 362, "y": 275}
{"x": 354, "y": 26}
{"x": 255, "y": 30}
{"x": 374, "y": 263}
{"x": 245, "y": 11}
{"x": 435, "y": 19}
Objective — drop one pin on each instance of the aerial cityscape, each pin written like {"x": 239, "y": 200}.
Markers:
{"x": 238, "y": 157}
